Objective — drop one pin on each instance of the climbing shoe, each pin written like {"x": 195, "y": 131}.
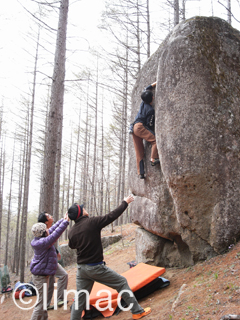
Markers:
{"x": 61, "y": 303}
{"x": 50, "y": 307}
{"x": 156, "y": 161}
{"x": 141, "y": 176}
{"x": 143, "y": 314}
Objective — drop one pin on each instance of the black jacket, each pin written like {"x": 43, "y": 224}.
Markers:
{"x": 85, "y": 235}
{"x": 146, "y": 114}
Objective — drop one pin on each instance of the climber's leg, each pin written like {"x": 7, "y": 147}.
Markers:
{"x": 149, "y": 136}
{"x": 139, "y": 150}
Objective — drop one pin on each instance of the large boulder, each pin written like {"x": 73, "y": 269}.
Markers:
{"x": 193, "y": 197}
{"x": 69, "y": 256}
{"x": 156, "y": 250}
{"x": 108, "y": 240}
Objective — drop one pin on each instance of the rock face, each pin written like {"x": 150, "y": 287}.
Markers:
{"x": 155, "y": 250}
{"x": 108, "y": 240}
{"x": 69, "y": 256}
{"x": 192, "y": 200}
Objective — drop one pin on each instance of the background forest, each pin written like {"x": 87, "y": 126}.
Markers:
{"x": 67, "y": 71}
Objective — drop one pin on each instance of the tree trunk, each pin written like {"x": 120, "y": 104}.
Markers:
{"x": 85, "y": 158}
{"x": 44, "y": 152}
{"x": 176, "y": 12}
{"x": 63, "y": 193}
{"x": 76, "y": 159}
{"x": 57, "y": 173}
{"x": 2, "y": 169}
{"x": 148, "y": 31}
{"x": 8, "y": 240}
{"x": 69, "y": 180}
{"x": 102, "y": 169}
{"x": 229, "y": 12}
{"x": 24, "y": 161}
{"x": 27, "y": 172}
{"x": 93, "y": 209}
{"x": 138, "y": 40}
{"x": 54, "y": 128}
{"x": 88, "y": 187}
{"x": 184, "y": 10}
{"x": 16, "y": 245}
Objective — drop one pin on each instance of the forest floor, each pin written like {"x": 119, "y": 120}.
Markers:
{"x": 208, "y": 290}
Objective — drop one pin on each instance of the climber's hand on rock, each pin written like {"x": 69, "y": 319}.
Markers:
{"x": 154, "y": 84}
{"x": 129, "y": 199}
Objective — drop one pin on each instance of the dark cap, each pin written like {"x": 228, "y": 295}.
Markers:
{"x": 42, "y": 217}
{"x": 147, "y": 96}
{"x": 75, "y": 211}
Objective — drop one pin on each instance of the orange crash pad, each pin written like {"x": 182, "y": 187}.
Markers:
{"x": 137, "y": 277}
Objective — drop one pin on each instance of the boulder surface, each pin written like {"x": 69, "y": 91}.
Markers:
{"x": 69, "y": 255}
{"x": 192, "y": 199}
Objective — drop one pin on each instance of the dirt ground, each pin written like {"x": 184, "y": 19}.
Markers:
{"x": 208, "y": 290}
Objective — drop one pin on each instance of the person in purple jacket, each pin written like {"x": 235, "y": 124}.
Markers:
{"x": 44, "y": 262}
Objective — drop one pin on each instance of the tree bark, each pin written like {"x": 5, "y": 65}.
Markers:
{"x": 24, "y": 161}
{"x": 148, "y": 31}
{"x": 76, "y": 159}
{"x": 93, "y": 206}
{"x": 69, "y": 181}
{"x": 176, "y": 12}
{"x": 63, "y": 193}
{"x": 16, "y": 245}
{"x": 229, "y": 12}
{"x": 54, "y": 128}
{"x": 57, "y": 173}
{"x": 9, "y": 212}
{"x": 85, "y": 157}
{"x": 2, "y": 169}
{"x": 102, "y": 170}
{"x": 184, "y": 10}
{"x": 28, "y": 167}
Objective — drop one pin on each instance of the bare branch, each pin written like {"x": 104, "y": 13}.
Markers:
{"x": 33, "y": 15}
{"x": 228, "y": 11}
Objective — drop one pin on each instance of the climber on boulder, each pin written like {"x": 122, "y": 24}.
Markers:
{"x": 143, "y": 128}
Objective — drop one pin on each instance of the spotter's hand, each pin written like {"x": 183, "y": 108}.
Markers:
{"x": 129, "y": 199}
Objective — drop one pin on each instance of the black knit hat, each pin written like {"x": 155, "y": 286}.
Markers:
{"x": 75, "y": 211}
{"x": 147, "y": 96}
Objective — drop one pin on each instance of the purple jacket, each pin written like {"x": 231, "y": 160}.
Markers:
{"x": 45, "y": 261}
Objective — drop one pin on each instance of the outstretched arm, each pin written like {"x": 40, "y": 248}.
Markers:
{"x": 151, "y": 86}
{"x": 113, "y": 215}
{"x": 129, "y": 199}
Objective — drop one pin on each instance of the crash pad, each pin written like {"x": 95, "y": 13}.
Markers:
{"x": 137, "y": 277}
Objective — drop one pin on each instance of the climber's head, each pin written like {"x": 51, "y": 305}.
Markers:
{"x": 147, "y": 96}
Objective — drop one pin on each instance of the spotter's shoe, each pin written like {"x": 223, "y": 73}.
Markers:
{"x": 143, "y": 314}
{"x": 61, "y": 303}
{"x": 50, "y": 307}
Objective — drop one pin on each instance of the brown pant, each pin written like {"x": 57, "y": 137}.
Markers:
{"x": 140, "y": 133}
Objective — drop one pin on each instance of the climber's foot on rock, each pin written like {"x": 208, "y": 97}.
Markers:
{"x": 154, "y": 162}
